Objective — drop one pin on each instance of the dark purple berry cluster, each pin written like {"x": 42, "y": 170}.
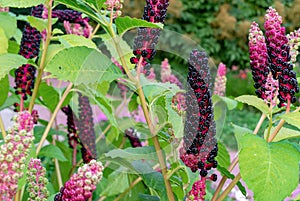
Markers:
{"x": 199, "y": 144}
{"x": 134, "y": 140}
{"x": 279, "y": 61}
{"x": 24, "y": 79}
{"x": 37, "y": 11}
{"x": 147, "y": 38}
{"x": 30, "y": 43}
{"x": 86, "y": 130}
{"x": 279, "y": 58}
{"x": 69, "y": 15}
{"x": 73, "y": 138}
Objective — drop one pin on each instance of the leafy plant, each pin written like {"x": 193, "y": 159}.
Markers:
{"x": 119, "y": 108}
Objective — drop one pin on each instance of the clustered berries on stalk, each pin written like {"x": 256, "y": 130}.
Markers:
{"x": 37, "y": 181}
{"x": 133, "y": 137}
{"x": 271, "y": 54}
{"x": 29, "y": 48}
{"x": 86, "y": 131}
{"x": 147, "y": 38}
{"x": 81, "y": 185}
{"x": 13, "y": 154}
{"x": 199, "y": 144}
{"x": 73, "y": 138}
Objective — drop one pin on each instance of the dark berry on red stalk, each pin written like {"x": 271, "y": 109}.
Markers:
{"x": 200, "y": 165}
{"x": 203, "y": 173}
{"x": 214, "y": 177}
{"x": 215, "y": 164}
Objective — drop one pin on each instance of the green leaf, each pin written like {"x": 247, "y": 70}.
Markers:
{"x": 10, "y": 61}
{"x": 151, "y": 178}
{"x": 266, "y": 169}
{"x": 49, "y": 96}
{"x": 145, "y": 197}
{"x": 126, "y": 23}
{"x": 40, "y": 24}
{"x": 53, "y": 50}
{"x": 292, "y": 118}
{"x": 117, "y": 183}
{"x": 20, "y": 4}
{"x": 4, "y": 89}
{"x": 240, "y": 131}
{"x": 79, "y": 65}
{"x": 13, "y": 47}
{"x": 80, "y": 6}
{"x": 8, "y": 23}
{"x": 283, "y": 134}
{"x": 231, "y": 104}
{"x": 39, "y": 130}
{"x": 52, "y": 151}
{"x": 154, "y": 90}
{"x": 255, "y": 102}
{"x": 126, "y": 50}
{"x": 174, "y": 118}
{"x": 132, "y": 154}
{"x": 223, "y": 156}
{"x": 72, "y": 40}
{"x": 3, "y": 41}
{"x": 97, "y": 4}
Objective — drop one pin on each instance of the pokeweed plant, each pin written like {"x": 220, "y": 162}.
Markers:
{"x": 108, "y": 103}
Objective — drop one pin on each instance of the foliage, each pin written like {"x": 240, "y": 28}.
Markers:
{"x": 118, "y": 110}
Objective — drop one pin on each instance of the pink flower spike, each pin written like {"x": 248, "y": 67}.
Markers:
{"x": 81, "y": 185}
{"x": 220, "y": 81}
{"x": 13, "y": 154}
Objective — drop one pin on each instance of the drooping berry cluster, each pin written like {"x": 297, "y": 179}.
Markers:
{"x": 86, "y": 130}
{"x": 81, "y": 185}
{"x": 134, "y": 140}
{"x": 13, "y": 154}
{"x": 31, "y": 38}
{"x": 199, "y": 144}
{"x": 24, "y": 79}
{"x": 73, "y": 138}
{"x": 37, "y": 181}
{"x": 147, "y": 38}
{"x": 220, "y": 81}
{"x": 279, "y": 57}
{"x": 29, "y": 48}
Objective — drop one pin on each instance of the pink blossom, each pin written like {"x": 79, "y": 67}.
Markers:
{"x": 220, "y": 81}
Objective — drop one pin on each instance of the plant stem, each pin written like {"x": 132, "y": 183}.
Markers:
{"x": 45, "y": 134}
{"x": 235, "y": 160}
{"x": 228, "y": 189}
{"x": 43, "y": 57}
{"x": 135, "y": 182}
{"x": 281, "y": 123}
{"x": 146, "y": 112}
{"x": 224, "y": 178}
{"x": 2, "y": 128}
